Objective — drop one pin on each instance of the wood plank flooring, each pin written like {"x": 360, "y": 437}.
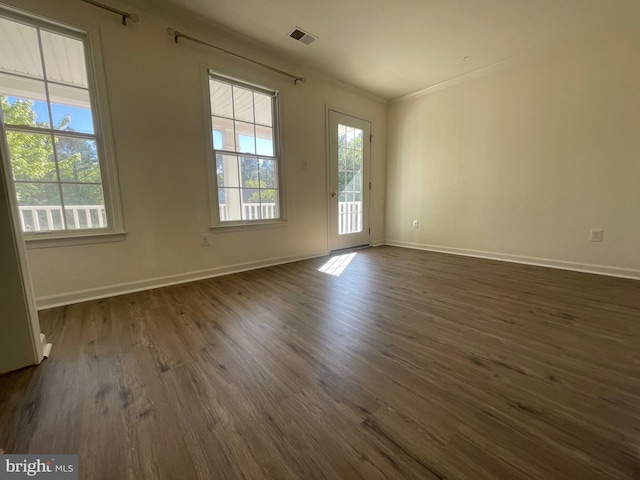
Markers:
{"x": 409, "y": 364}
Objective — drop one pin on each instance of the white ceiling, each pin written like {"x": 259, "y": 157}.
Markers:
{"x": 393, "y": 48}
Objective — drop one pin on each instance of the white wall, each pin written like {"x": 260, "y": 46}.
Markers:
{"x": 521, "y": 163}
{"x": 158, "y": 106}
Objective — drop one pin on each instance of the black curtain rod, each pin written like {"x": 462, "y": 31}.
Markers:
{"x": 176, "y": 35}
{"x": 125, "y": 15}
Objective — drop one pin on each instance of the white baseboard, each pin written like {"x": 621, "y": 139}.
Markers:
{"x": 540, "y": 262}
{"x": 77, "y": 296}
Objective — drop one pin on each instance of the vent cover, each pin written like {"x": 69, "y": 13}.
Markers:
{"x": 302, "y": 36}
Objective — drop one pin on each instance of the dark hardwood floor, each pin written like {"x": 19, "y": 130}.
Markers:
{"x": 409, "y": 365}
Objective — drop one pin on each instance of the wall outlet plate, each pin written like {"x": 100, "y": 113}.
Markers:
{"x": 597, "y": 235}
{"x": 415, "y": 224}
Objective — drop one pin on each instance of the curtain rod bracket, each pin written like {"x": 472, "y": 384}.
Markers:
{"x": 129, "y": 16}
{"x": 172, "y": 33}
{"x": 176, "y": 35}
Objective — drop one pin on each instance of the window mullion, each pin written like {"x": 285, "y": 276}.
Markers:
{"x": 255, "y": 145}
{"x": 51, "y": 134}
{"x": 259, "y": 188}
{"x": 50, "y": 131}
{"x": 238, "y": 160}
{"x": 44, "y": 79}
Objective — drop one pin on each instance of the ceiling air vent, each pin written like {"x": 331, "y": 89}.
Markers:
{"x": 302, "y": 36}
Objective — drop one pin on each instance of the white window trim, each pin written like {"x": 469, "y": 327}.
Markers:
{"x": 218, "y": 226}
{"x": 104, "y": 143}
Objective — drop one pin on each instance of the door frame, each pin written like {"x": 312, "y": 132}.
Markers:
{"x": 366, "y": 180}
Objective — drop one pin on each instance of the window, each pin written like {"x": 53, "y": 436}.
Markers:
{"x": 55, "y": 148}
{"x": 246, "y": 151}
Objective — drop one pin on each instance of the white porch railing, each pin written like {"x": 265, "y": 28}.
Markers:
{"x": 349, "y": 214}
{"x": 251, "y": 211}
{"x": 349, "y": 217}
{"x": 38, "y": 218}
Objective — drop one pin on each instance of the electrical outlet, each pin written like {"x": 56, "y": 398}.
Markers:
{"x": 415, "y": 224}
{"x": 597, "y": 235}
{"x": 204, "y": 240}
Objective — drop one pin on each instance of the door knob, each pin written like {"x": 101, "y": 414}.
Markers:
{"x": 334, "y": 194}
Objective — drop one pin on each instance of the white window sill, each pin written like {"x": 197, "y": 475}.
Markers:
{"x": 48, "y": 239}
{"x": 228, "y": 227}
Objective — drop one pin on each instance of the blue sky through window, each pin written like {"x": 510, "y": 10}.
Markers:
{"x": 81, "y": 120}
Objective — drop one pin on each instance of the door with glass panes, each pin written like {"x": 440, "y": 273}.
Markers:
{"x": 349, "y": 159}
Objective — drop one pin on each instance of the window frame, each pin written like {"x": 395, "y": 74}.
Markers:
{"x": 218, "y": 225}
{"x": 96, "y": 86}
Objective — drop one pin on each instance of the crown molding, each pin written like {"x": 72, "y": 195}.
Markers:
{"x": 465, "y": 77}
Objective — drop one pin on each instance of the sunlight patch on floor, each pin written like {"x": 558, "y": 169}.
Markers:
{"x": 336, "y": 265}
